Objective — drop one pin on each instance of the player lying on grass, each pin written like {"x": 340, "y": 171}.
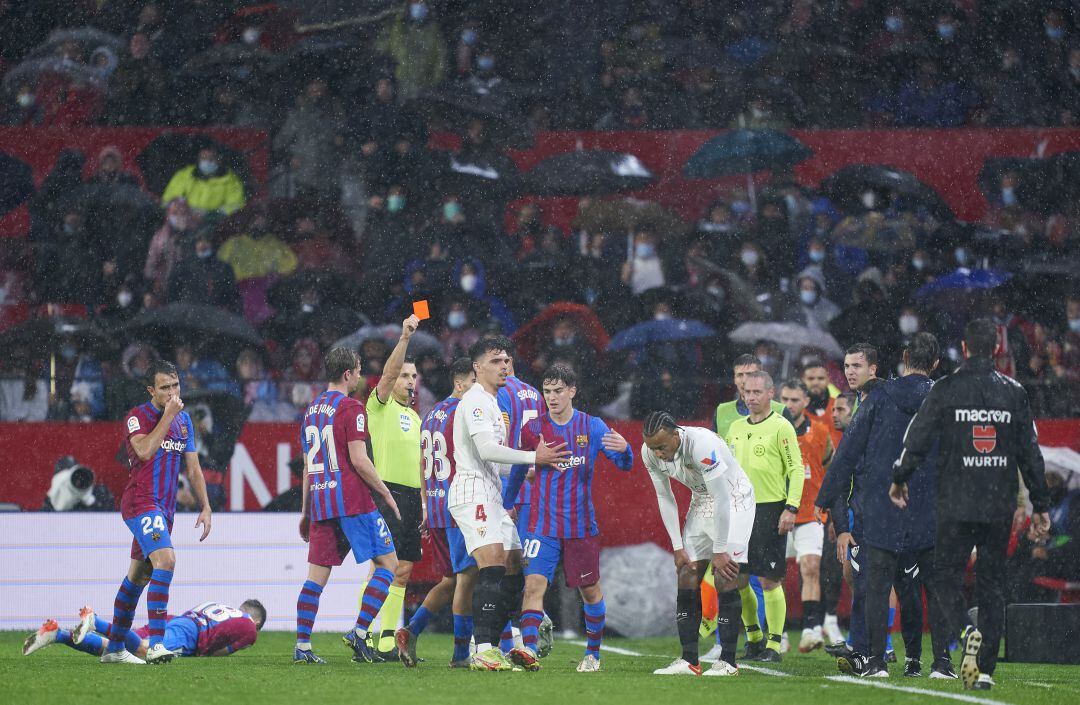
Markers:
{"x": 211, "y": 629}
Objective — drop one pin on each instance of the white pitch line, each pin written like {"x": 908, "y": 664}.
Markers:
{"x": 766, "y": 671}
{"x": 1039, "y": 685}
{"x": 916, "y": 691}
{"x": 616, "y": 650}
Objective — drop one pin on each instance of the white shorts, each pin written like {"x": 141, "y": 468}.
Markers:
{"x": 806, "y": 540}
{"x": 699, "y": 532}
{"x": 485, "y": 524}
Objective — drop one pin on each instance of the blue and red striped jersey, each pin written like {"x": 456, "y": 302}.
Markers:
{"x": 520, "y": 403}
{"x": 221, "y": 627}
{"x": 152, "y": 484}
{"x": 561, "y": 498}
{"x": 331, "y": 422}
{"x": 437, "y": 447}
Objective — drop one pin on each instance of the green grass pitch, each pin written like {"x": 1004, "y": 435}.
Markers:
{"x": 265, "y": 675}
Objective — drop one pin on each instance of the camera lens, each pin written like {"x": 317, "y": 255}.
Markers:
{"x": 82, "y": 478}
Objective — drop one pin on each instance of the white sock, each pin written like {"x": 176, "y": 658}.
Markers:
{"x": 303, "y": 646}
{"x": 482, "y": 647}
{"x": 362, "y": 633}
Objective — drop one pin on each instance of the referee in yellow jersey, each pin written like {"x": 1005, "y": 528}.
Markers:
{"x": 767, "y": 448}
{"x": 395, "y": 448}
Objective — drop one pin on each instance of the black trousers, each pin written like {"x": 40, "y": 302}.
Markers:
{"x": 954, "y": 542}
{"x": 832, "y": 575}
{"x": 909, "y": 573}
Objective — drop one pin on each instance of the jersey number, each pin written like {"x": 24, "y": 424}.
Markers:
{"x": 383, "y": 531}
{"x": 154, "y": 523}
{"x": 531, "y": 548}
{"x": 217, "y": 612}
{"x": 315, "y": 444}
{"x": 481, "y": 515}
{"x": 435, "y": 460}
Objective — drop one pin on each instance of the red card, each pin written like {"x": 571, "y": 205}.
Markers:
{"x": 420, "y": 310}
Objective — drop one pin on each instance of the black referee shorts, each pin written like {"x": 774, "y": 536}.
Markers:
{"x": 767, "y": 555}
{"x": 406, "y": 531}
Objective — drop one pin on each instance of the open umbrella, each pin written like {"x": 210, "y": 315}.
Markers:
{"x": 846, "y": 187}
{"x": 421, "y": 342}
{"x": 745, "y": 151}
{"x": 1031, "y": 176}
{"x": 629, "y": 214}
{"x": 651, "y": 332}
{"x": 873, "y": 231}
{"x": 789, "y": 337}
{"x": 194, "y": 324}
{"x": 88, "y": 37}
{"x": 533, "y": 335}
{"x": 961, "y": 281}
{"x": 454, "y": 107}
{"x": 592, "y": 172}
{"x": 16, "y": 183}
{"x": 238, "y": 61}
{"x": 478, "y": 176}
{"x": 45, "y": 336}
{"x": 227, "y": 415}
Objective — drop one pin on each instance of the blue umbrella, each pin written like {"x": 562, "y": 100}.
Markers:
{"x": 666, "y": 331}
{"x": 744, "y": 152}
{"x": 962, "y": 280}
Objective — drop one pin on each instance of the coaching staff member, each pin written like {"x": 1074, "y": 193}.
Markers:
{"x": 982, "y": 421}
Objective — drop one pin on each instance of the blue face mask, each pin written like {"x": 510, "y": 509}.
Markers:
{"x": 807, "y": 296}
{"x": 469, "y": 36}
{"x": 817, "y": 256}
{"x": 644, "y": 250}
{"x": 451, "y": 210}
{"x": 395, "y": 202}
{"x": 485, "y": 63}
{"x": 1008, "y": 196}
{"x": 894, "y": 24}
{"x": 418, "y": 11}
{"x": 946, "y": 31}
{"x": 456, "y": 319}
{"x": 1055, "y": 32}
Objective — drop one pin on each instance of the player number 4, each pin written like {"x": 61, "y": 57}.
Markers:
{"x": 481, "y": 515}
{"x": 154, "y": 523}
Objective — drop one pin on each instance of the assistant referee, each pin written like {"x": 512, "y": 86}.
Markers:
{"x": 395, "y": 447}
{"x": 983, "y": 422}
{"x": 767, "y": 448}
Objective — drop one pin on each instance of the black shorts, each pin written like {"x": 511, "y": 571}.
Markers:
{"x": 406, "y": 532}
{"x": 767, "y": 555}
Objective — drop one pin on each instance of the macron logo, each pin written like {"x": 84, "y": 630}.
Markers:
{"x": 982, "y": 416}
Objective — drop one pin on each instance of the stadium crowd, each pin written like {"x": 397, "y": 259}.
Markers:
{"x": 363, "y": 218}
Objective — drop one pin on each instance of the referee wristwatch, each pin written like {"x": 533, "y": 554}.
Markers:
{"x": 791, "y": 508}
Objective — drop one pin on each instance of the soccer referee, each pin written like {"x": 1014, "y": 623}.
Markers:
{"x": 395, "y": 445}
{"x": 767, "y": 448}
{"x": 983, "y": 423}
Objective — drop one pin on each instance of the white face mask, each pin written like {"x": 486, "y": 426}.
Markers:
{"x": 1074, "y": 325}
{"x": 469, "y": 282}
{"x": 909, "y": 325}
{"x": 251, "y": 35}
{"x": 869, "y": 199}
{"x": 26, "y": 100}
{"x": 808, "y": 296}
{"x": 178, "y": 222}
{"x": 749, "y": 257}
{"x": 456, "y": 319}
{"x": 124, "y": 298}
{"x": 207, "y": 166}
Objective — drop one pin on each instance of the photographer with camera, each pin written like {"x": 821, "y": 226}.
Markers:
{"x": 73, "y": 490}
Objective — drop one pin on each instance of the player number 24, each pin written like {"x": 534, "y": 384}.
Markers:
{"x": 315, "y": 444}
{"x": 154, "y": 523}
{"x": 435, "y": 460}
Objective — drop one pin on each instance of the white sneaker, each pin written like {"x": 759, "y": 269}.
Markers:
{"x": 85, "y": 625}
{"x": 722, "y": 668}
{"x": 678, "y": 667}
{"x": 832, "y": 630}
{"x": 45, "y": 635}
{"x": 122, "y": 656}
{"x": 811, "y": 639}
{"x": 785, "y": 644}
{"x": 589, "y": 664}
{"x": 713, "y": 655}
{"x": 159, "y": 654}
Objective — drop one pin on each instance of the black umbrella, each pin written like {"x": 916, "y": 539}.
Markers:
{"x": 224, "y": 414}
{"x": 171, "y": 151}
{"x": 479, "y": 176}
{"x": 454, "y": 107}
{"x": 846, "y": 187}
{"x": 16, "y": 183}
{"x": 586, "y": 173}
{"x": 238, "y": 61}
{"x": 45, "y": 336}
{"x": 194, "y": 324}
{"x": 1032, "y": 176}
{"x": 86, "y": 36}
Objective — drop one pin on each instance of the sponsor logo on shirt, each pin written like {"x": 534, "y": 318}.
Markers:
{"x": 361, "y": 423}
{"x": 984, "y": 438}
{"x": 759, "y": 450}
{"x": 171, "y": 445}
{"x": 133, "y": 424}
{"x": 572, "y": 462}
{"x": 983, "y": 416}
{"x": 478, "y": 414}
{"x": 328, "y": 485}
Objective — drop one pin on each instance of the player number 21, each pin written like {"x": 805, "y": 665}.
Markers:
{"x": 315, "y": 444}
{"x": 154, "y": 523}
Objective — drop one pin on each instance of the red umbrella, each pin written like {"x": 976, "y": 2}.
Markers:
{"x": 531, "y": 336}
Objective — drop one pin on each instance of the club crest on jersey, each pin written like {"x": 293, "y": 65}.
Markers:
{"x": 581, "y": 440}
{"x": 156, "y": 536}
{"x": 984, "y": 438}
{"x": 482, "y": 530}
{"x": 183, "y": 430}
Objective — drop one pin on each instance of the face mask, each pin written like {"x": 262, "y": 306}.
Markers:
{"x": 961, "y": 255}
{"x": 817, "y": 256}
{"x": 662, "y": 316}
{"x": 456, "y": 319}
{"x": 1008, "y": 196}
{"x": 204, "y": 254}
{"x": 485, "y": 63}
{"x": 918, "y": 263}
{"x": 178, "y": 222}
{"x": 740, "y": 207}
{"x": 418, "y": 11}
{"x": 68, "y": 352}
{"x": 469, "y": 36}
{"x": 307, "y": 308}
{"x": 749, "y": 257}
{"x": 70, "y": 228}
{"x": 909, "y": 325}
{"x": 946, "y": 31}
{"x": 1055, "y": 32}
{"x": 1074, "y": 325}
{"x": 26, "y": 100}
{"x": 124, "y": 297}
{"x": 451, "y": 210}
{"x": 395, "y": 202}
{"x": 207, "y": 166}
{"x": 716, "y": 291}
{"x": 469, "y": 282}
{"x": 894, "y": 24}
{"x": 563, "y": 342}
{"x": 251, "y": 35}
{"x": 869, "y": 199}
{"x": 766, "y": 361}
{"x": 808, "y": 297}
{"x": 644, "y": 250}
